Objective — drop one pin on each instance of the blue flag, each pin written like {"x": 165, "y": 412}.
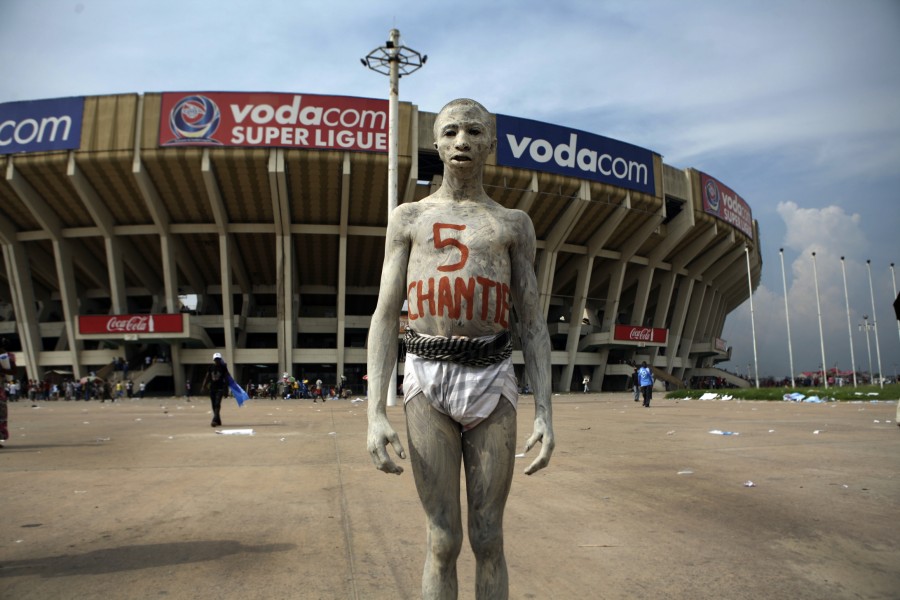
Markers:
{"x": 237, "y": 391}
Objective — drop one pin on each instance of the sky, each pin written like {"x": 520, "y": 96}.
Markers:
{"x": 794, "y": 104}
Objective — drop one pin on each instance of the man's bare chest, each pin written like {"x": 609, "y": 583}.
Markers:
{"x": 459, "y": 270}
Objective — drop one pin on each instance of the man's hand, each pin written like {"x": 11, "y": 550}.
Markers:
{"x": 543, "y": 433}
{"x": 380, "y": 435}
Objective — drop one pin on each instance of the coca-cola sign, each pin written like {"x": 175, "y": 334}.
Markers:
{"x": 122, "y": 325}
{"x": 641, "y": 335}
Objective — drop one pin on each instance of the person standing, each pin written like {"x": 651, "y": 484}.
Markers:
{"x": 460, "y": 387}
{"x": 586, "y": 382}
{"x": 8, "y": 369}
{"x": 217, "y": 378}
{"x": 645, "y": 378}
{"x": 635, "y": 384}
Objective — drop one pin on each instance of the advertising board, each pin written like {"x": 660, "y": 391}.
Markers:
{"x": 722, "y": 202}
{"x": 41, "y": 125}
{"x": 273, "y": 120}
{"x": 129, "y": 325}
{"x": 640, "y": 335}
{"x": 528, "y": 144}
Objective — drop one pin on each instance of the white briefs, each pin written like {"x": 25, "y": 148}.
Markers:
{"x": 468, "y": 395}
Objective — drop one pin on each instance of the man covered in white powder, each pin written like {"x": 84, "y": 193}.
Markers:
{"x": 464, "y": 263}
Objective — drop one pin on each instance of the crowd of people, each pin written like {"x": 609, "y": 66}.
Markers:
{"x": 87, "y": 388}
{"x": 288, "y": 388}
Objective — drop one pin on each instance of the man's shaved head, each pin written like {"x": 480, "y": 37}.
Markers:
{"x": 466, "y": 103}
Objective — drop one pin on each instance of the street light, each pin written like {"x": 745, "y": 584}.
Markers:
{"x": 752, "y": 321}
{"x": 787, "y": 317}
{"x": 866, "y": 326}
{"x": 849, "y": 326}
{"x": 819, "y": 309}
{"x": 393, "y": 60}
{"x": 894, "y": 282}
{"x": 875, "y": 325}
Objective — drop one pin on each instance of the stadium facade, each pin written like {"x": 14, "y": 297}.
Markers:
{"x": 271, "y": 210}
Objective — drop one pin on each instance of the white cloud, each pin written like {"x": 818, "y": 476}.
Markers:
{"x": 831, "y": 233}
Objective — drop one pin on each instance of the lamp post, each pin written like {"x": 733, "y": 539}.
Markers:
{"x": 819, "y": 310}
{"x": 875, "y": 325}
{"x": 787, "y": 317}
{"x": 866, "y": 326}
{"x": 894, "y": 282}
{"x": 393, "y": 60}
{"x": 849, "y": 326}
{"x": 752, "y": 321}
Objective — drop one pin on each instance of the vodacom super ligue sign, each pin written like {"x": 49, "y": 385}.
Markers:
{"x": 638, "y": 334}
{"x": 122, "y": 325}
{"x": 273, "y": 120}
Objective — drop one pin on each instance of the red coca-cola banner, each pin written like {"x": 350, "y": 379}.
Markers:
{"x": 721, "y": 345}
{"x": 130, "y": 324}
{"x": 636, "y": 333}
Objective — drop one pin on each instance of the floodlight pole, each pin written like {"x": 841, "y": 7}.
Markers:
{"x": 849, "y": 326}
{"x": 875, "y": 325}
{"x": 894, "y": 282}
{"x": 752, "y": 318}
{"x": 787, "y": 317}
{"x": 821, "y": 332}
{"x": 393, "y": 60}
{"x": 865, "y": 325}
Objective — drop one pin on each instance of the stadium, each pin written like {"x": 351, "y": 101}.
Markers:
{"x": 268, "y": 211}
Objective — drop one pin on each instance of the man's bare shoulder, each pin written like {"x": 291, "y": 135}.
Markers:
{"x": 406, "y": 215}
{"x": 520, "y": 220}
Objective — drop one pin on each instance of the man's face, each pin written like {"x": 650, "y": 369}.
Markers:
{"x": 463, "y": 137}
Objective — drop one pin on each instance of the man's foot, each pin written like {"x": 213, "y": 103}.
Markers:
{"x": 216, "y": 424}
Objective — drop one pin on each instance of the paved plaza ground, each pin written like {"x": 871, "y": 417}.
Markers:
{"x": 142, "y": 499}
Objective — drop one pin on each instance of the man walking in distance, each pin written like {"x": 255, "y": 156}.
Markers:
{"x": 645, "y": 378}
{"x": 217, "y": 376}
{"x": 461, "y": 261}
{"x": 7, "y": 371}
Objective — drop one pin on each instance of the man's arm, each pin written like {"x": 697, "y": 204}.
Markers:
{"x": 535, "y": 337}
{"x": 382, "y": 344}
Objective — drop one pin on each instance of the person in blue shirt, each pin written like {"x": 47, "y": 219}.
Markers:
{"x": 645, "y": 378}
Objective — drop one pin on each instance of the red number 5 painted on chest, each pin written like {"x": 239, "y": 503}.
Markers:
{"x": 442, "y": 243}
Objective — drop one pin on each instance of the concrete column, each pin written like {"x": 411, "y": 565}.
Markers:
{"x": 342, "y": 264}
{"x": 69, "y": 300}
{"x": 685, "y": 287}
{"x": 642, "y": 296}
{"x": 586, "y": 265}
{"x": 22, "y": 288}
{"x": 227, "y": 293}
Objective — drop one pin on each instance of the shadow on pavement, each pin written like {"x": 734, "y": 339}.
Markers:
{"x": 130, "y": 558}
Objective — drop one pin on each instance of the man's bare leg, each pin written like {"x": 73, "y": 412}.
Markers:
{"x": 489, "y": 457}
{"x": 435, "y": 454}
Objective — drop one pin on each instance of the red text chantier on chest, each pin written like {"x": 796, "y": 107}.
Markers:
{"x": 457, "y": 296}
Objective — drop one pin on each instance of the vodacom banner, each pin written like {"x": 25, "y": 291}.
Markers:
{"x": 641, "y": 335}
{"x": 273, "y": 120}
{"x": 162, "y": 325}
